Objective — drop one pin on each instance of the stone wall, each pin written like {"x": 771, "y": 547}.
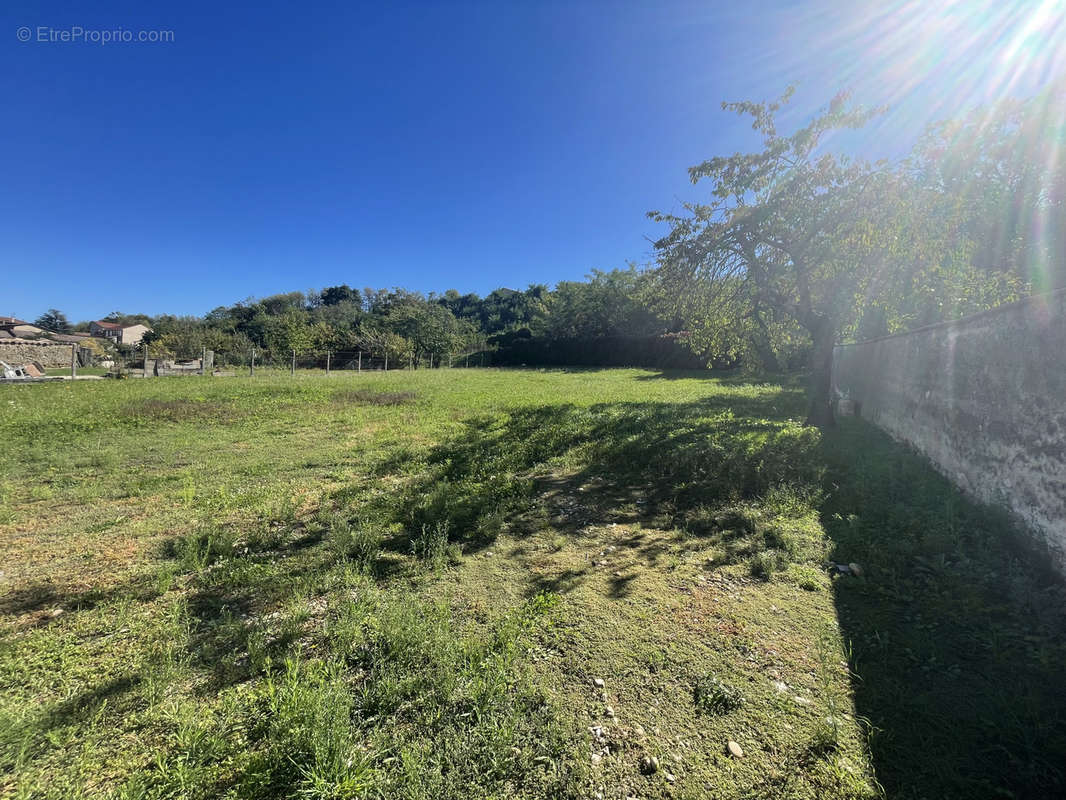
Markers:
{"x": 19, "y": 351}
{"x": 984, "y": 398}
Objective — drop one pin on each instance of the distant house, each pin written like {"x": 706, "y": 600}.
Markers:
{"x": 18, "y": 328}
{"x": 120, "y": 334}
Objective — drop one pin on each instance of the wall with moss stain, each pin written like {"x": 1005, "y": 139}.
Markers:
{"x": 984, "y": 398}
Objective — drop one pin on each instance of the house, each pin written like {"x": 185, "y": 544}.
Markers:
{"x": 23, "y": 330}
{"x": 128, "y": 335}
{"x": 19, "y": 329}
{"x": 7, "y": 324}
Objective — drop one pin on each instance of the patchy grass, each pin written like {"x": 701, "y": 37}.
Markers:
{"x": 405, "y": 584}
{"x": 368, "y": 397}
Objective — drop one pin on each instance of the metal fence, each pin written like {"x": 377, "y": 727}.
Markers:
{"x": 141, "y": 362}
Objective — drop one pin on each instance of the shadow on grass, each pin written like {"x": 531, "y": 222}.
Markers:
{"x": 956, "y": 631}
{"x": 956, "y": 634}
{"x": 40, "y": 603}
{"x": 570, "y": 467}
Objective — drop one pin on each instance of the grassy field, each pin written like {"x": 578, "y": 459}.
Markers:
{"x": 485, "y": 583}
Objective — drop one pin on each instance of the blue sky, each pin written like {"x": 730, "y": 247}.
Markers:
{"x": 431, "y": 145}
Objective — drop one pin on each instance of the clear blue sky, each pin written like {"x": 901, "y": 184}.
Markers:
{"x": 279, "y": 146}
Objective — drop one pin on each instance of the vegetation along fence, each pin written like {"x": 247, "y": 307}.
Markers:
{"x": 984, "y": 398}
{"x": 143, "y": 362}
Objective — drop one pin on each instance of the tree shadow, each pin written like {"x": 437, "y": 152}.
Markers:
{"x": 41, "y": 603}
{"x": 956, "y": 630}
{"x": 572, "y": 468}
{"x": 32, "y": 732}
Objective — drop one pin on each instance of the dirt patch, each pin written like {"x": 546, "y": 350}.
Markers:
{"x": 178, "y": 410}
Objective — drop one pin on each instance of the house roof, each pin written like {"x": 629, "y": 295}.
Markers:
{"x": 12, "y": 321}
{"x": 111, "y": 326}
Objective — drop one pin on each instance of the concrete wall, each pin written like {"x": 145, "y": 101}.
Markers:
{"x": 984, "y": 398}
{"x": 19, "y": 351}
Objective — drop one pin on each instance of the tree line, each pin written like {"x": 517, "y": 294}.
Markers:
{"x": 405, "y": 326}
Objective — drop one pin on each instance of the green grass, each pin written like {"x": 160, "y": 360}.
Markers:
{"x": 81, "y": 371}
{"x": 404, "y": 585}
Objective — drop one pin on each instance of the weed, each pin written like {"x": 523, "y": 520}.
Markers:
{"x": 431, "y": 545}
{"x": 714, "y": 696}
{"x": 359, "y": 542}
{"x": 806, "y": 577}
{"x": 197, "y": 551}
{"x": 765, "y": 563}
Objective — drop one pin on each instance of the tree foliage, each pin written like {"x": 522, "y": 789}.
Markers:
{"x": 797, "y": 247}
{"x": 53, "y": 320}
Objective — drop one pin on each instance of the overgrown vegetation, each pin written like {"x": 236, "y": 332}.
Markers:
{"x": 300, "y": 594}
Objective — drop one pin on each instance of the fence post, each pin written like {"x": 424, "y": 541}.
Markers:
{"x": 203, "y": 358}
{"x": 360, "y": 367}
{"x": 251, "y": 365}
{"x": 73, "y": 361}
{"x": 292, "y": 369}
{"x": 386, "y": 360}
{"x": 327, "y": 362}
{"x": 145, "y": 370}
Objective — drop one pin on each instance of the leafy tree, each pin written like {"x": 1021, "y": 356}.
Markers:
{"x": 289, "y": 332}
{"x": 338, "y": 294}
{"x": 53, "y": 320}
{"x": 431, "y": 329}
{"x": 128, "y": 319}
{"x": 606, "y": 304}
{"x": 1002, "y": 168}
{"x": 789, "y": 232}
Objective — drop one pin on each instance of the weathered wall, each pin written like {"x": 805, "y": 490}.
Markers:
{"x": 19, "y": 351}
{"x": 984, "y": 398}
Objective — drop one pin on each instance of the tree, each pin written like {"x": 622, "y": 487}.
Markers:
{"x": 333, "y": 295}
{"x": 789, "y": 232}
{"x": 1002, "y": 167}
{"x": 606, "y": 304}
{"x": 431, "y": 329}
{"x": 53, "y": 320}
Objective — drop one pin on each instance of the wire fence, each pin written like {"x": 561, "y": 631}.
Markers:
{"x": 142, "y": 362}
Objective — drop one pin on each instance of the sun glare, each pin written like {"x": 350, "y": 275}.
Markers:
{"x": 931, "y": 59}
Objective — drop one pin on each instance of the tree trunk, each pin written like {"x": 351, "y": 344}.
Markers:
{"x": 820, "y": 396}
{"x": 760, "y": 343}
